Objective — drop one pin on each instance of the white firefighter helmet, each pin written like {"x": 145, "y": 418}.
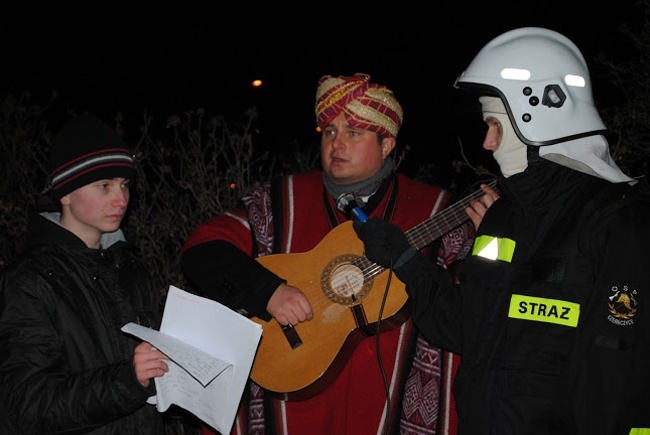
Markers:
{"x": 544, "y": 81}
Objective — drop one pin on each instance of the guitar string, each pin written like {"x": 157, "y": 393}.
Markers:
{"x": 366, "y": 270}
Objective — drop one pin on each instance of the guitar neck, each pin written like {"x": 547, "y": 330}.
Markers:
{"x": 441, "y": 223}
{"x": 429, "y": 230}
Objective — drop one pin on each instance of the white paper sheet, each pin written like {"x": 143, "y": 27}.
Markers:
{"x": 212, "y": 350}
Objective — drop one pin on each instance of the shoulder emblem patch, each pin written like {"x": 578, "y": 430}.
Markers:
{"x": 622, "y": 306}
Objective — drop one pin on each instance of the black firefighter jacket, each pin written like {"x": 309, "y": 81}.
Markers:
{"x": 552, "y": 314}
{"x": 65, "y": 365}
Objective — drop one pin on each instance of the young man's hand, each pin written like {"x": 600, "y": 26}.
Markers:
{"x": 476, "y": 209}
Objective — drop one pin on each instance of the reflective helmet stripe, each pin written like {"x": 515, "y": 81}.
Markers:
{"x": 544, "y": 310}
{"x": 494, "y": 248}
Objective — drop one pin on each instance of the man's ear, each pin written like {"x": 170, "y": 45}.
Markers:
{"x": 387, "y": 145}
{"x": 65, "y": 200}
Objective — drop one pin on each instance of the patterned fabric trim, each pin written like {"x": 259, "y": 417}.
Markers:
{"x": 258, "y": 205}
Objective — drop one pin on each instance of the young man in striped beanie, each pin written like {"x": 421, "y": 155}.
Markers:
{"x": 65, "y": 364}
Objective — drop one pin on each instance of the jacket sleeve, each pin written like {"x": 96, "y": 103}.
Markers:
{"x": 218, "y": 260}
{"x": 226, "y": 274}
{"x": 436, "y": 301}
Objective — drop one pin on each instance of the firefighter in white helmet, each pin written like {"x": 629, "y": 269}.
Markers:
{"x": 551, "y": 313}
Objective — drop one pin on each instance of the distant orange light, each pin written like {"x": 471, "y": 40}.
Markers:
{"x": 257, "y": 83}
{"x": 232, "y": 186}
{"x": 318, "y": 129}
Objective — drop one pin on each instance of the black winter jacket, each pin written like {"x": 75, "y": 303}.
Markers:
{"x": 65, "y": 365}
{"x": 554, "y": 332}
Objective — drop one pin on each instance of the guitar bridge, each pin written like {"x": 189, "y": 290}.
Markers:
{"x": 292, "y": 336}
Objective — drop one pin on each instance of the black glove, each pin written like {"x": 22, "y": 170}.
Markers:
{"x": 385, "y": 243}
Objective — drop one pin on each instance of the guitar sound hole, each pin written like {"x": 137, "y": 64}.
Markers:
{"x": 344, "y": 282}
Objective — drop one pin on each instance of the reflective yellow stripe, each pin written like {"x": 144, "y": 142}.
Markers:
{"x": 494, "y": 248}
{"x": 544, "y": 310}
{"x": 639, "y": 431}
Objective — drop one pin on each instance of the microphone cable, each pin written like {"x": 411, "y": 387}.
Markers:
{"x": 348, "y": 204}
{"x": 378, "y": 343}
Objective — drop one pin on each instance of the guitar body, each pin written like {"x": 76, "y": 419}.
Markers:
{"x": 347, "y": 305}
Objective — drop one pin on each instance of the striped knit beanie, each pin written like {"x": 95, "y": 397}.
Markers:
{"x": 366, "y": 105}
{"x": 84, "y": 151}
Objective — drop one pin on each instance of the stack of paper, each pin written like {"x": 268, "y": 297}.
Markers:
{"x": 211, "y": 348}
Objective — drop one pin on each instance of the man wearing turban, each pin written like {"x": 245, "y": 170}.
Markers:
{"x": 298, "y": 213}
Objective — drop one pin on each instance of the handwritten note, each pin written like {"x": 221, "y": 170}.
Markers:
{"x": 200, "y": 365}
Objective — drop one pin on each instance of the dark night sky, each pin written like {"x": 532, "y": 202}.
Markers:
{"x": 181, "y": 61}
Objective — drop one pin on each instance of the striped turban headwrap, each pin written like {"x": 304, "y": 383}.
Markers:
{"x": 366, "y": 105}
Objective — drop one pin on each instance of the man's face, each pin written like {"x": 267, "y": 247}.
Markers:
{"x": 493, "y": 135}
{"x": 350, "y": 154}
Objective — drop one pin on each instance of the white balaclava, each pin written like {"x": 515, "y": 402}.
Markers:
{"x": 511, "y": 155}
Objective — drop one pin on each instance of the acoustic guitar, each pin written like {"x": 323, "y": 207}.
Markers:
{"x": 351, "y": 298}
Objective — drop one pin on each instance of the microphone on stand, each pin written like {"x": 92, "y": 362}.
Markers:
{"x": 348, "y": 205}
